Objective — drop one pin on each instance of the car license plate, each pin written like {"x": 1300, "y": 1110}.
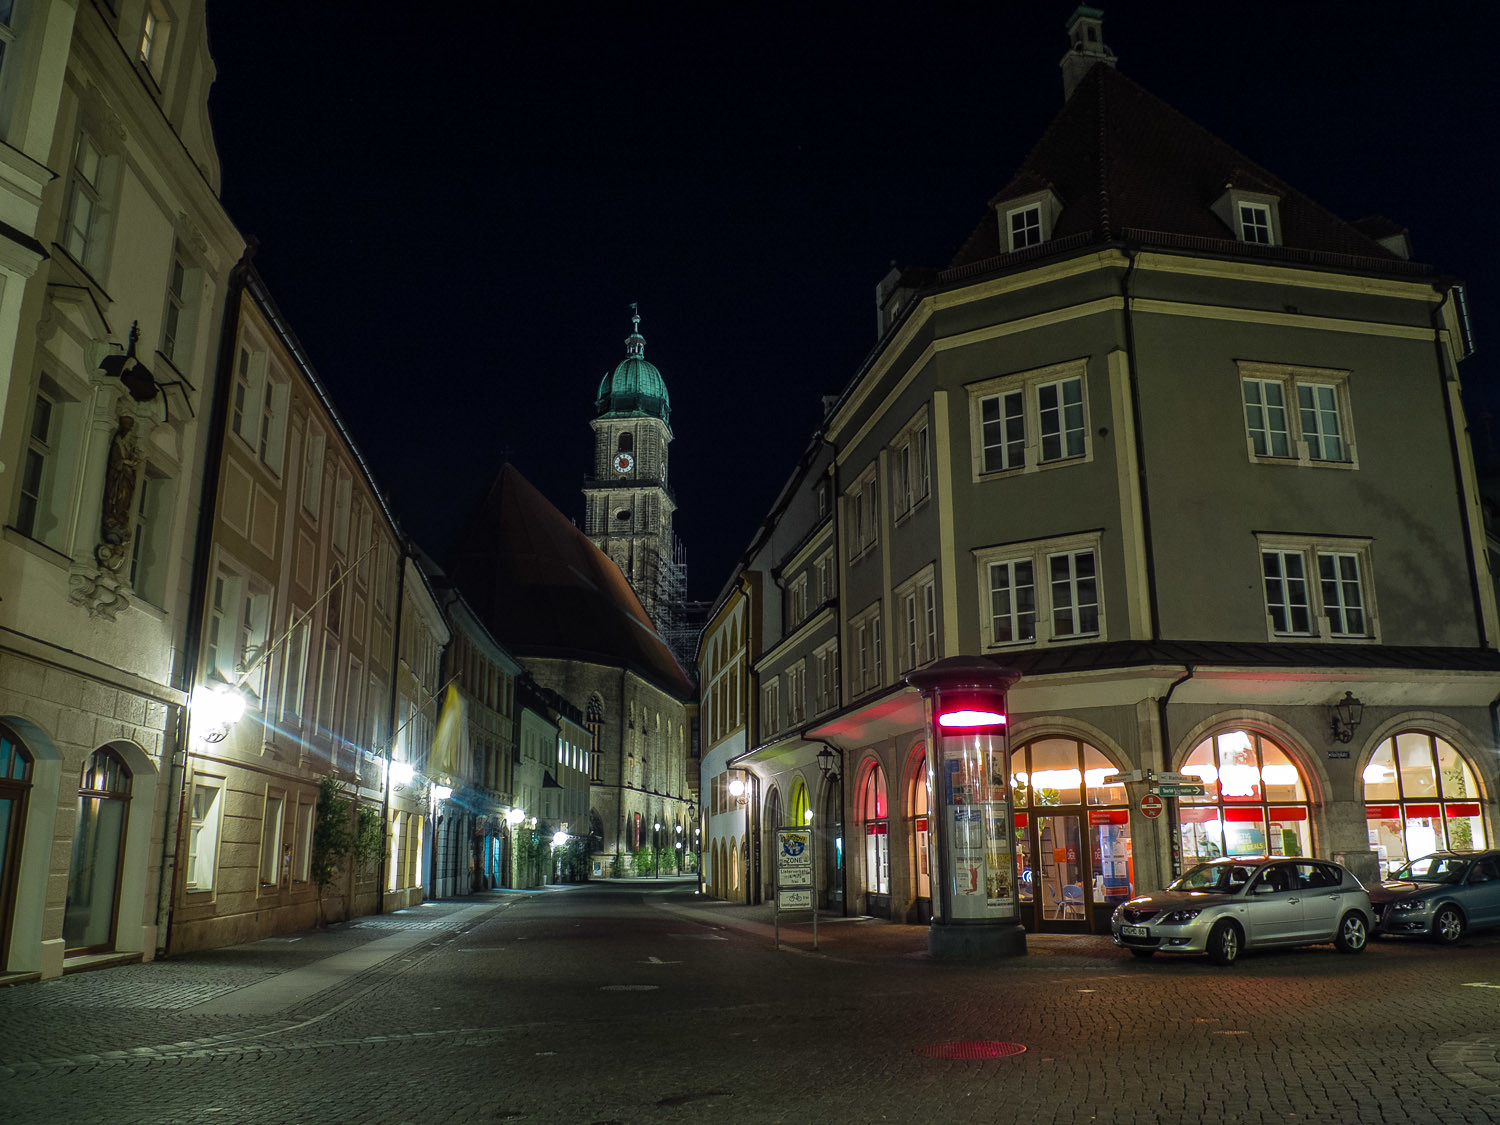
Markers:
{"x": 1135, "y": 931}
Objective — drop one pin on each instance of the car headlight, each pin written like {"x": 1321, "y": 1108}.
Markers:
{"x": 1180, "y": 917}
{"x": 1410, "y": 904}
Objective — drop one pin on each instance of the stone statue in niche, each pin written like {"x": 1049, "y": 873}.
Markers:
{"x": 120, "y": 475}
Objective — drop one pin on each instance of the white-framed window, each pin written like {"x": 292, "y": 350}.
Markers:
{"x": 916, "y": 621}
{"x": 1298, "y": 414}
{"x": 1027, "y": 221}
{"x": 206, "y": 817}
{"x": 177, "y": 313}
{"x": 1023, "y": 226}
{"x": 44, "y": 499}
{"x": 294, "y": 669}
{"x": 1255, "y": 223}
{"x": 1030, "y": 420}
{"x": 827, "y": 662}
{"x": 312, "y": 471}
{"x": 1046, "y": 590}
{"x": 235, "y": 633}
{"x": 272, "y": 832}
{"x": 7, "y": 35}
{"x": 302, "y": 830}
{"x": 910, "y": 473}
{"x": 864, "y": 634}
{"x": 824, "y": 576}
{"x": 271, "y": 443}
{"x": 151, "y": 535}
{"x": 796, "y": 601}
{"x": 85, "y": 224}
{"x": 863, "y": 514}
{"x": 155, "y": 32}
{"x": 354, "y": 725}
{"x": 343, "y": 490}
{"x": 1318, "y": 588}
{"x": 796, "y": 693}
{"x": 328, "y": 686}
{"x": 770, "y": 706}
{"x": 258, "y": 407}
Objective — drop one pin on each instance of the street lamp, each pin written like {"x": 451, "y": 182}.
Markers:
{"x": 976, "y": 909}
{"x": 514, "y": 818}
{"x": 678, "y": 845}
{"x": 656, "y": 847}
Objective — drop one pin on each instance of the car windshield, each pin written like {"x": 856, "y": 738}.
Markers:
{"x": 1221, "y": 878}
{"x": 1433, "y": 869}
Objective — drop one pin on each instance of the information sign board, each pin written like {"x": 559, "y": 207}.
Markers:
{"x": 1180, "y": 790}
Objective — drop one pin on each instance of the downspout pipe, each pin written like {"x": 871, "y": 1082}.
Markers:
{"x": 1447, "y": 374}
{"x": 1166, "y": 756}
{"x": 192, "y": 644}
{"x": 1140, "y": 441}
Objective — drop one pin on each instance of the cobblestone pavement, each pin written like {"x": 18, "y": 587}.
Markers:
{"x": 642, "y": 1003}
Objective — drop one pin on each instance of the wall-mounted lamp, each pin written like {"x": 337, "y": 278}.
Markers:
{"x": 218, "y": 706}
{"x": 514, "y": 817}
{"x": 1347, "y": 713}
{"x": 826, "y": 763}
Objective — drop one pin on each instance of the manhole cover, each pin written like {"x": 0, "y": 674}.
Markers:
{"x": 970, "y": 1049}
{"x": 629, "y": 988}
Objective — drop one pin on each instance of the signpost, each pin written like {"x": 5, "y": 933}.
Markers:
{"x": 795, "y": 876}
{"x": 1180, "y": 790}
{"x": 1176, "y": 779}
{"x": 1151, "y": 806}
{"x": 1122, "y": 778}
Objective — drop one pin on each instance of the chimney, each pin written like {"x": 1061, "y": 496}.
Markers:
{"x": 1085, "y": 47}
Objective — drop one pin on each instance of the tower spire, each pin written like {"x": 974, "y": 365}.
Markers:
{"x": 1086, "y": 47}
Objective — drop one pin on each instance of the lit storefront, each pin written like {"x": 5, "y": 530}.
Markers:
{"x": 1421, "y": 796}
{"x": 1074, "y": 857}
{"x": 877, "y": 828}
{"x": 1254, "y": 800}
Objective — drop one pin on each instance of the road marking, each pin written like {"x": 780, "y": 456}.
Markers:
{"x": 1480, "y": 984}
{"x": 628, "y": 988}
{"x": 658, "y": 961}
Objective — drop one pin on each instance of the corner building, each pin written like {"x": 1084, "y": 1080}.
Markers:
{"x": 1188, "y": 452}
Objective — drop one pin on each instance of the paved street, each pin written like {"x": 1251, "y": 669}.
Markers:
{"x": 642, "y": 1003}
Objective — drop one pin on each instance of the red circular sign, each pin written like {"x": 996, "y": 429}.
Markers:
{"x": 1151, "y": 805}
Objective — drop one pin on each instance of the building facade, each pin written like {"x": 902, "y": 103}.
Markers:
{"x": 1187, "y": 452}
{"x": 115, "y": 256}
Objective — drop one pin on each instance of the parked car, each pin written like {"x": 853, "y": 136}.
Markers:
{"x": 1440, "y": 896}
{"x": 1226, "y": 906}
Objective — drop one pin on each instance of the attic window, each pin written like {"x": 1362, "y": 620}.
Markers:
{"x": 1255, "y": 223}
{"x": 1024, "y": 226}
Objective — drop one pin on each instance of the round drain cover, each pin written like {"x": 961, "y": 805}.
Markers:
{"x": 970, "y": 1049}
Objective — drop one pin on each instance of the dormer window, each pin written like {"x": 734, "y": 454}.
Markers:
{"x": 1252, "y": 216}
{"x": 1255, "y": 223}
{"x": 1027, "y": 221}
{"x": 1025, "y": 226}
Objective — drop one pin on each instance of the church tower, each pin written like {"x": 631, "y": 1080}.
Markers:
{"x": 628, "y": 506}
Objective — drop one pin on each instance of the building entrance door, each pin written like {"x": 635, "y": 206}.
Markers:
{"x": 1060, "y": 874}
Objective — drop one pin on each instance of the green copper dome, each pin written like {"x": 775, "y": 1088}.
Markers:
{"x": 635, "y": 386}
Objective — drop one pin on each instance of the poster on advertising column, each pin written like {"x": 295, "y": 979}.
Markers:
{"x": 981, "y": 854}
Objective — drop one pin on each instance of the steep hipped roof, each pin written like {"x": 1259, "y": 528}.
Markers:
{"x": 1120, "y": 159}
{"x": 544, "y": 589}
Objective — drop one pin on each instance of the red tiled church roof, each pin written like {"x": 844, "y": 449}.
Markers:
{"x": 544, "y": 589}
{"x": 1118, "y": 157}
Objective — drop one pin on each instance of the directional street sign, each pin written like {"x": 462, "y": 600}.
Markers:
{"x": 1121, "y": 778}
{"x": 1180, "y": 790}
{"x": 1176, "y": 779}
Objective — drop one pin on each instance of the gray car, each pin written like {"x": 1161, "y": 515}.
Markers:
{"x": 1229, "y": 905}
{"x": 1440, "y": 896}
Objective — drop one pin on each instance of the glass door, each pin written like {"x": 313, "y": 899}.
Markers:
{"x": 1061, "y": 875}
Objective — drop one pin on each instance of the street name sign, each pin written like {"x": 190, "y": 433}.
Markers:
{"x": 1121, "y": 778}
{"x": 1180, "y": 790}
{"x": 1176, "y": 779}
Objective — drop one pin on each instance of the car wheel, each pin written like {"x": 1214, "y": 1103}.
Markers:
{"x": 1143, "y": 953}
{"x": 1224, "y": 943}
{"x": 1353, "y": 933}
{"x": 1448, "y": 926}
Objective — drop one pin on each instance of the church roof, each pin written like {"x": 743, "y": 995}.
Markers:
{"x": 544, "y": 589}
{"x": 1124, "y": 164}
{"x": 635, "y": 386}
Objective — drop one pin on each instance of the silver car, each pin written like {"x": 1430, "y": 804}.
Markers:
{"x": 1226, "y": 906}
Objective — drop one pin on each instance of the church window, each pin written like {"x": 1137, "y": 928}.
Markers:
{"x": 626, "y": 443}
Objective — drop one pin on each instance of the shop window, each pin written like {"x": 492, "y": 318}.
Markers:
{"x": 15, "y": 789}
{"x": 800, "y": 812}
{"x": 1073, "y": 846}
{"x": 1254, "y": 800}
{"x": 1421, "y": 795}
{"x": 917, "y": 813}
{"x": 872, "y": 814}
{"x": 98, "y": 851}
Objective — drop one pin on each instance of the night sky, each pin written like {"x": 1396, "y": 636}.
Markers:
{"x": 456, "y": 210}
